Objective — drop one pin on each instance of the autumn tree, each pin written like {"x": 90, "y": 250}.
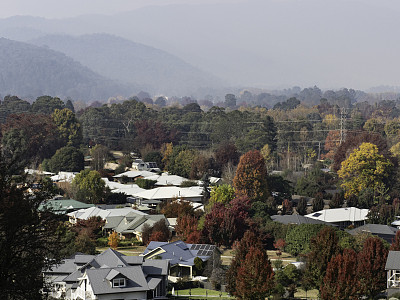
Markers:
{"x": 287, "y": 207}
{"x": 226, "y": 152}
{"x": 332, "y": 143}
{"x": 251, "y": 177}
{"x": 371, "y": 267}
{"x": 341, "y": 280}
{"x": 176, "y": 208}
{"x": 395, "y": 246}
{"x": 158, "y": 232}
{"x": 186, "y": 227}
{"x": 255, "y": 278}
{"x": 113, "y": 240}
{"x": 223, "y": 193}
{"x": 364, "y": 168}
{"x": 322, "y": 248}
{"x": 225, "y": 224}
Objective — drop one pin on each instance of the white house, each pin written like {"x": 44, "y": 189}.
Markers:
{"x": 341, "y": 217}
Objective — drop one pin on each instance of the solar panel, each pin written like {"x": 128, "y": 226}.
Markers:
{"x": 197, "y": 247}
{"x": 200, "y": 253}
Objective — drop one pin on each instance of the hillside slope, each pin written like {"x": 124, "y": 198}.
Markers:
{"x": 31, "y": 71}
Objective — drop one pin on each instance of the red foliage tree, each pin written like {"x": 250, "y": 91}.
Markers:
{"x": 185, "y": 226}
{"x": 341, "y": 278}
{"x": 287, "y": 207}
{"x": 251, "y": 177}
{"x": 175, "y": 208}
{"x": 395, "y": 246}
{"x": 371, "y": 267}
{"x": 154, "y": 133}
{"x": 226, "y": 152}
{"x": 255, "y": 278}
{"x": 92, "y": 227}
{"x": 280, "y": 246}
{"x": 332, "y": 143}
{"x": 225, "y": 224}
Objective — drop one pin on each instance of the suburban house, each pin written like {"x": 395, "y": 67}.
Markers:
{"x": 166, "y": 179}
{"x": 64, "y": 206}
{"x": 297, "y": 220}
{"x": 131, "y": 225}
{"x": 393, "y": 273}
{"x": 383, "y": 231}
{"x": 181, "y": 256}
{"x": 131, "y": 176}
{"x": 140, "y": 165}
{"x": 161, "y": 194}
{"x": 341, "y": 217}
{"x": 109, "y": 275}
{"x": 84, "y": 214}
{"x": 128, "y": 189}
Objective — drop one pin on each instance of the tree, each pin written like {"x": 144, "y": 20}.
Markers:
{"x": 255, "y": 278}
{"x": 100, "y": 154}
{"x": 341, "y": 280}
{"x": 322, "y": 248}
{"x": 84, "y": 244}
{"x": 90, "y": 188}
{"x": 337, "y": 201}
{"x": 230, "y": 100}
{"x": 158, "y": 232}
{"x": 226, "y": 152}
{"x": 298, "y": 238}
{"x": 223, "y": 193}
{"x": 251, "y": 177}
{"x": 47, "y": 105}
{"x": 395, "y": 246}
{"x": 364, "y": 168}
{"x": 68, "y": 127}
{"x": 302, "y": 206}
{"x": 318, "y": 202}
{"x": 186, "y": 226}
{"x": 371, "y": 267}
{"x": 177, "y": 208}
{"x": 29, "y": 239}
{"x": 113, "y": 240}
{"x": 66, "y": 159}
{"x": 287, "y": 207}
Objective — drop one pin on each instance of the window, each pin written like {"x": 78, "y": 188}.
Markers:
{"x": 119, "y": 282}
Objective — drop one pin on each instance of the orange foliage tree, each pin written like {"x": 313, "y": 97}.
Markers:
{"x": 251, "y": 177}
{"x": 113, "y": 240}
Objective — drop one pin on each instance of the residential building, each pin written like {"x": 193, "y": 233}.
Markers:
{"x": 341, "y": 217}
{"x": 109, "y": 275}
{"x": 393, "y": 273}
{"x": 181, "y": 256}
{"x": 383, "y": 231}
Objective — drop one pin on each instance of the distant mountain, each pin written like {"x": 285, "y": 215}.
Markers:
{"x": 157, "y": 71}
{"x": 31, "y": 71}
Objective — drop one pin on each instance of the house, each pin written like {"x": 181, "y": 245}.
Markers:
{"x": 131, "y": 225}
{"x": 140, "y": 165}
{"x": 181, "y": 256}
{"x": 296, "y": 220}
{"x": 169, "y": 193}
{"x": 109, "y": 275}
{"x": 84, "y": 214}
{"x": 383, "y": 231}
{"x": 341, "y": 217}
{"x": 64, "y": 206}
{"x": 393, "y": 273}
{"x": 131, "y": 176}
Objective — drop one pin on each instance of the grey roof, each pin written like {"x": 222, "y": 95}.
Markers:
{"x": 296, "y": 219}
{"x": 153, "y": 282}
{"x": 70, "y": 265}
{"x": 112, "y": 222}
{"x": 179, "y": 252}
{"x": 135, "y": 280}
{"x": 377, "y": 229}
{"x": 393, "y": 261}
{"x": 155, "y": 267}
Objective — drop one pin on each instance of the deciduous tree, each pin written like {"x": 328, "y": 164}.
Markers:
{"x": 251, "y": 177}
{"x": 113, "y": 240}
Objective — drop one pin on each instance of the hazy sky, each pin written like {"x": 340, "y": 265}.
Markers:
{"x": 72, "y": 8}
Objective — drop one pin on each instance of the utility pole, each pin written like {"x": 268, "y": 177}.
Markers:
{"x": 342, "y": 125}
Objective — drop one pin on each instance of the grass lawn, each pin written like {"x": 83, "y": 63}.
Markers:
{"x": 130, "y": 251}
{"x": 201, "y": 292}
{"x": 227, "y": 255}
{"x": 312, "y": 294}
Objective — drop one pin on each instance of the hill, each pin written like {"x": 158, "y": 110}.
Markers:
{"x": 157, "y": 71}
{"x": 31, "y": 71}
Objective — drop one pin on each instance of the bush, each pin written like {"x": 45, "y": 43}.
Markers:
{"x": 102, "y": 242}
{"x": 145, "y": 183}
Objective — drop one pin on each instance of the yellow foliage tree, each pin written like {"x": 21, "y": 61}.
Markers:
{"x": 113, "y": 240}
{"x": 364, "y": 168}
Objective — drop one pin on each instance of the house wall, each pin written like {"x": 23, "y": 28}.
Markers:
{"x": 123, "y": 296}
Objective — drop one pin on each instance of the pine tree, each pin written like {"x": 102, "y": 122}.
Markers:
{"x": 302, "y": 206}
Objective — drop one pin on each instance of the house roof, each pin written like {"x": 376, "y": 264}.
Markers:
{"x": 377, "y": 229}
{"x": 179, "y": 252}
{"x": 334, "y": 215}
{"x": 135, "y": 280}
{"x": 296, "y": 219}
{"x": 85, "y": 214}
{"x": 134, "y": 174}
{"x": 62, "y": 206}
{"x": 168, "y": 192}
{"x": 393, "y": 261}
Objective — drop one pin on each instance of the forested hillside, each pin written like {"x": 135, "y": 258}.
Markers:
{"x": 30, "y": 71}
{"x": 154, "y": 70}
